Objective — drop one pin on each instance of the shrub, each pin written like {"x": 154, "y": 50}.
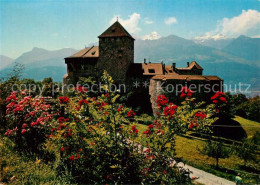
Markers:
{"x": 216, "y": 150}
{"x": 250, "y": 109}
{"x": 28, "y": 120}
{"x": 6, "y": 84}
{"x": 246, "y": 150}
{"x": 223, "y": 105}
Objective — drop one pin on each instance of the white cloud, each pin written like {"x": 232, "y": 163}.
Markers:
{"x": 148, "y": 21}
{"x": 256, "y": 36}
{"x": 241, "y": 24}
{"x": 131, "y": 24}
{"x": 170, "y": 20}
{"x": 209, "y": 35}
{"x": 245, "y": 23}
{"x": 152, "y": 36}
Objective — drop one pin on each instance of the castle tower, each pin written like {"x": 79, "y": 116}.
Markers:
{"x": 116, "y": 52}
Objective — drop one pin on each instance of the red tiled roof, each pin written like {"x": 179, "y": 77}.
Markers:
{"x": 213, "y": 77}
{"x": 185, "y": 77}
{"x": 92, "y": 52}
{"x": 116, "y": 30}
{"x": 191, "y": 65}
{"x": 152, "y": 68}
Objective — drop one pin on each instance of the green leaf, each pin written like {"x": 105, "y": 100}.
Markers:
{"x": 114, "y": 99}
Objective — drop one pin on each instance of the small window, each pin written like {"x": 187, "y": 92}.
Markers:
{"x": 151, "y": 71}
{"x": 170, "y": 71}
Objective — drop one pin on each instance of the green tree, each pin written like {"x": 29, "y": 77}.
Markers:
{"x": 216, "y": 150}
{"x": 246, "y": 151}
{"x": 256, "y": 138}
{"x": 250, "y": 109}
{"x": 50, "y": 88}
{"x": 238, "y": 99}
{"x": 8, "y": 83}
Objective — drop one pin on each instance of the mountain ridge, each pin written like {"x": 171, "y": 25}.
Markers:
{"x": 232, "y": 68}
{"x": 5, "y": 61}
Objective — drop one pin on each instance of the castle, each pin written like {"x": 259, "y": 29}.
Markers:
{"x": 115, "y": 54}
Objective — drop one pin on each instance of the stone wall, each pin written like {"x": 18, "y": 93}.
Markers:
{"x": 159, "y": 87}
{"x": 115, "y": 56}
{"x": 154, "y": 91}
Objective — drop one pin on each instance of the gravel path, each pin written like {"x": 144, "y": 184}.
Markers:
{"x": 205, "y": 177}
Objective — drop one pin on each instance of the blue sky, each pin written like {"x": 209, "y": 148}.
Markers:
{"x": 56, "y": 24}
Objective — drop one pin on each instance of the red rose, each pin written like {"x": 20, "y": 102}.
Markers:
{"x": 193, "y": 125}
{"x": 81, "y": 89}
{"x": 186, "y": 92}
{"x": 131, "y": 113}
{"x": 223, "y": 99}
{"x": 147, "y": 150}
{"x": 134, "y": 130}
{"x": 62, "y": 149}
{"x": 150, "y": 126}
{"x": 161, "y": 100}
{"x": 64, "y": 100}
{"x": 147, "y": 132}
{"x": 219, "y": 97}
{"x": 120, "y": 108}
{"x": 62, "y": 120}
{"x": 12, "y": 97}
{"x": 150, "y": 157}
{"x": 23, "y": 131}
{"x": 82, "y": 102}
{"x": 170, "y": 110}
{"x": 200, "y": 115}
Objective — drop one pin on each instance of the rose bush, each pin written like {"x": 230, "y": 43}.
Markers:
{"x": 29, "y": 120}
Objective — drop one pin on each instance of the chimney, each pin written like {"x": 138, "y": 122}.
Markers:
{"x": 145, "y": 60}
{"x": 173, "y": 66}
{"x": 188, "y": 64}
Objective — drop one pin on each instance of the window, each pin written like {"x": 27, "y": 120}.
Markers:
{"x": 151, "y": 70}
{"x": 170, "y": 71}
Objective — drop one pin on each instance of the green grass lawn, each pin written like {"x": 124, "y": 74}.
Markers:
{"x": 16, "y": 168}
{"x": 251, "y": 127}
